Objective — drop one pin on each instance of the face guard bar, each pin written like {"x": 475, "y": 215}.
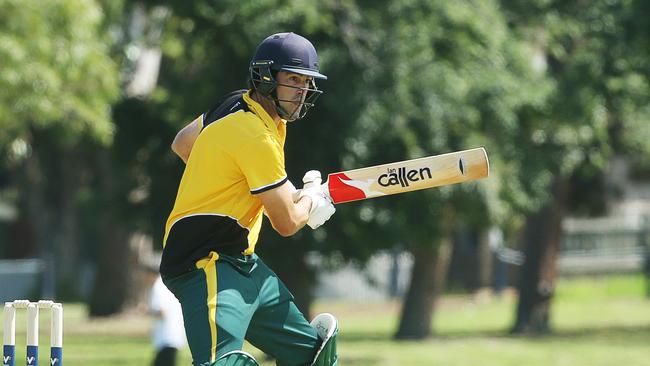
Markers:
{"x": 264, "y": 82}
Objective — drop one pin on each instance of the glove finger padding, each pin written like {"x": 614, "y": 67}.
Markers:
{"x": 311, "y": 178}
{"x": 312, "y": 185}
{"x": 321, "y": 210}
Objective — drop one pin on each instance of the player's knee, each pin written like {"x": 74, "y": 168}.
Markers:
{"x": 327, "y": 328}
{"x": 236, "y": 358}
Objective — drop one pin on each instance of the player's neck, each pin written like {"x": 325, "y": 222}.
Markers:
{"x": 268, "y": 106}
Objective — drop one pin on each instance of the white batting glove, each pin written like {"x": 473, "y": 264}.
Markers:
{"x": 321, "y": 210}
{"x": 321, "y": 206}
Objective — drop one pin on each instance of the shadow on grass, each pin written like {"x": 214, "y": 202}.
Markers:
{"x": 623, "y": 334}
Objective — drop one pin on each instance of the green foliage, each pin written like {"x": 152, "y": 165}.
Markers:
{"x": 55, "y": 70}
{"x": 413, "y": 78}
{"x": 599, "y": 104}
{"x": 442, "y": 77}
{"x": 406, "y": 79}
{"x": 551, "y": 89}
{"x": 57, "y": 85}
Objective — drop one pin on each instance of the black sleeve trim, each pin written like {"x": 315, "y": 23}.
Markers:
{"x": 270, "y": 186}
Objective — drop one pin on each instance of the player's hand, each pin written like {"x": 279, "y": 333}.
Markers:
{"x": 311, "y": 182}
{"x": 321, "y": 206}
{"x": 321, "y": 210}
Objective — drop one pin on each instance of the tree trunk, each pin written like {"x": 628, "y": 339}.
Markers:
{"x": 464, "y": 255}
{"x": 485, "y": 261}
{"x": 542, "y": 234}
{"x": 39, "y": 215}
{"x": 67, "y": 238}
{"x": 427, "y": 280}
{"x": 115, "y": 258}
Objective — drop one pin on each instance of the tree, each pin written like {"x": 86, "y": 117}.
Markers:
{"x": 598, "y": 109}
{"x": 56, "y": 86}
{"x": 420, "y": 78}
{"x": 438, "y": 77}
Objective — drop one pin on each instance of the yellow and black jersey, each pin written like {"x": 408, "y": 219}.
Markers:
{"x": 238, "y": 154}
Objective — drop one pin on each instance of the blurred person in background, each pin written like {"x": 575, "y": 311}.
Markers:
{"x": 167, "y": 333}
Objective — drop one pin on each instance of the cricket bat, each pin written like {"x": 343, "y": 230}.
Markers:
{"x": 409, "y": 175}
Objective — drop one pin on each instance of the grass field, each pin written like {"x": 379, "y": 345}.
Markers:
{"x": 604, "y": 321}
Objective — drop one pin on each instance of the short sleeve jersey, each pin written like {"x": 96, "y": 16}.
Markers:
{"x": 238, "y": 154}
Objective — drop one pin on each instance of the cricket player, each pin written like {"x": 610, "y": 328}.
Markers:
{"x": 235, "y": 171}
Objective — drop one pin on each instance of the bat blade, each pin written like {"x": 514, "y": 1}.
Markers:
{"x": 408, "y": 175}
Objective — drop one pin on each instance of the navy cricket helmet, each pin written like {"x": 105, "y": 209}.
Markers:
{"x": 288, "y": 52}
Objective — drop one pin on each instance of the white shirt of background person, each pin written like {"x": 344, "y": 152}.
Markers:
{"x": 168, "y": 330}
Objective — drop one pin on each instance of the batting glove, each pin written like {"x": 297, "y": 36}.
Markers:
{"x": 321, "y": 206}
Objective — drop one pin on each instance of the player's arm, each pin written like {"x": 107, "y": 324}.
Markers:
{"x": 185, "y": 138}
{"x": 286, "y": 216}
{"x": 290, "y": 210}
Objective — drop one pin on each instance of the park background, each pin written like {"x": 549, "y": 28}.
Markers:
{"x": 544, "y": 263}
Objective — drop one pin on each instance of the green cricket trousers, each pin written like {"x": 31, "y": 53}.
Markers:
{"x": 231, "y": 298}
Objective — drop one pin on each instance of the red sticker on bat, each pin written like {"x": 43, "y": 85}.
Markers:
{"x": 341, "y": 191}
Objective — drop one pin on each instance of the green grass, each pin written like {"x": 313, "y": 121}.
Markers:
{"x": 598, "y": 321}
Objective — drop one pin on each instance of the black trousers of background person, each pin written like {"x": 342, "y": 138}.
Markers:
{"x": 166, "y": 356}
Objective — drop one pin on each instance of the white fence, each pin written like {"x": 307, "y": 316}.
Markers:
{"x": 20, "y": 278}
{"x": 589, "y": 246}
{"x": 386, "y": 275}
{"x": 606, "y": 245}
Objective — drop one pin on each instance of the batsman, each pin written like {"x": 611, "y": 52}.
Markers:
{"x": 235, "y": 172}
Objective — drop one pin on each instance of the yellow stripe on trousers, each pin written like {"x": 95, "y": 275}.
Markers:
{"x": 209, "y": 266}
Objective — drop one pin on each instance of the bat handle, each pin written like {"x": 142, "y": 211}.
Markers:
{"x": 326, "y": 190}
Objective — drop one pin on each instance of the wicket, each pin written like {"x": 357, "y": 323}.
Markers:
{"x": 56, "y": 329}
